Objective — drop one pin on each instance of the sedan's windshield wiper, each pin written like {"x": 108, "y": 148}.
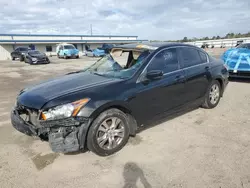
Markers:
{"x": 73, "y": 72}
{"x": 92, "y": 72}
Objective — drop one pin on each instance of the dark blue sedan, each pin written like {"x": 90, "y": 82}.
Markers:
{"x": 100, "y": 107}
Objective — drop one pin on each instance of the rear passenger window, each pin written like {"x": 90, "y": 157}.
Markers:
{"x": 203, "y": 57}
{"x": 165, "y": 60}
{"x": 190, "y": 57}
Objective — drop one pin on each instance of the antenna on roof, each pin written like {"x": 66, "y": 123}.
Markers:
{"x": 91, "y": 29}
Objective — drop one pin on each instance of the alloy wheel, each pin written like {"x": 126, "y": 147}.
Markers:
{"x": 214, "y": 94}
{"x": 110, "y": 133}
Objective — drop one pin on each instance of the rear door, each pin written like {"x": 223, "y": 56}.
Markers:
{"x": 196, "y": 67}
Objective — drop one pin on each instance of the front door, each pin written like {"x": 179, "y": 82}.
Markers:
{"x": 162, "y": 94}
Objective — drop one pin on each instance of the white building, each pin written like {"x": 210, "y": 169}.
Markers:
{"x": 47, "y": 43}
{"x": 229, "y": 43}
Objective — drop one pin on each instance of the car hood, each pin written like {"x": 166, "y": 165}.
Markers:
{"x": 98, "y": 50}
{"x": 237, "y": 59}
{"x": 37, "y": 96}
{"x": 38, "y": 56}
{"x": 71, "y": 51}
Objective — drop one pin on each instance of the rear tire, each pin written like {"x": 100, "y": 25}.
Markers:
{"x": 111, "y": 126}
{"x": 213, "y": 95}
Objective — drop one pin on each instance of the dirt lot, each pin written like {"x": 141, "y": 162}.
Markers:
{"x": 202, "y": 148}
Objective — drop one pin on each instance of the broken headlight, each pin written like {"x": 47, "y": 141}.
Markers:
{"x": 64, "y": 111}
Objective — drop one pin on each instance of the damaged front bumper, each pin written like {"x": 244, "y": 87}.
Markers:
{"x": 65, "y": 135}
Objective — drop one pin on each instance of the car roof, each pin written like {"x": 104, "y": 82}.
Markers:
{"x": 151, "y": 45}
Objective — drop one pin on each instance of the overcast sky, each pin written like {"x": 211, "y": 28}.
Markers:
{"x": 149, "y": 19}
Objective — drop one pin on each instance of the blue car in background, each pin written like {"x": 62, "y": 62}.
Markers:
{"x": 100, "y": 52}
{"x": 238, "y": 60}
{"x": 66, "y": 51}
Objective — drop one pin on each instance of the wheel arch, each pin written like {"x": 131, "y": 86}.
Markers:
{"x": 120, "y": 106}
{"x": 84, "y": 130}
{"x": 220, "y": 80}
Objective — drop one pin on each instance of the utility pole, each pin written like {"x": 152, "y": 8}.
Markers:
{"x": 91, "y": 29}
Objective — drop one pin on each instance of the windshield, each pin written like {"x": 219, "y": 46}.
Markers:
{"x": 69, "y": 47}
{"x": 23, "y": 49}
{"x": 35, "y": 53}
{"x": 108, "y": 67}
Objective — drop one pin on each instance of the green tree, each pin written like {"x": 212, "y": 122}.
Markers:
{"x": 218, "y": 37}
{"x": 248, "y": 34}
{"x": 185, "y": 39}
{"x": 238, "y": 35}
{"x": 229, "y": 35}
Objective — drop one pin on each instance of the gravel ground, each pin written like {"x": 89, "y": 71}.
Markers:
{"x": 201, "y": 148}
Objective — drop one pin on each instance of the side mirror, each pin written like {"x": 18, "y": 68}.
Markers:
{"x": 154, "y": 75}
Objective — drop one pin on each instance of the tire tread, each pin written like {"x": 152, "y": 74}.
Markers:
{"x": 91, "y": 145}
{"x": 207, "y": 103}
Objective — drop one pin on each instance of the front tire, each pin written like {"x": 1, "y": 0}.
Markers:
{"x": 65, "y": 56}
{"x": 13, "y": 58}
{"x": 213, "y": 95}
{"x": 108, "y": 133}
{"x": 21, "y": 58}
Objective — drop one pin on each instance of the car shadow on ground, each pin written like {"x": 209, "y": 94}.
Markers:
{"x": 131, "y": 174}
{"x": 243, "y": 80}
{"x": 77, "y": 152}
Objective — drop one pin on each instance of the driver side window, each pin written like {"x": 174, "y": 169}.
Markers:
{"x": 165, "y": 60}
